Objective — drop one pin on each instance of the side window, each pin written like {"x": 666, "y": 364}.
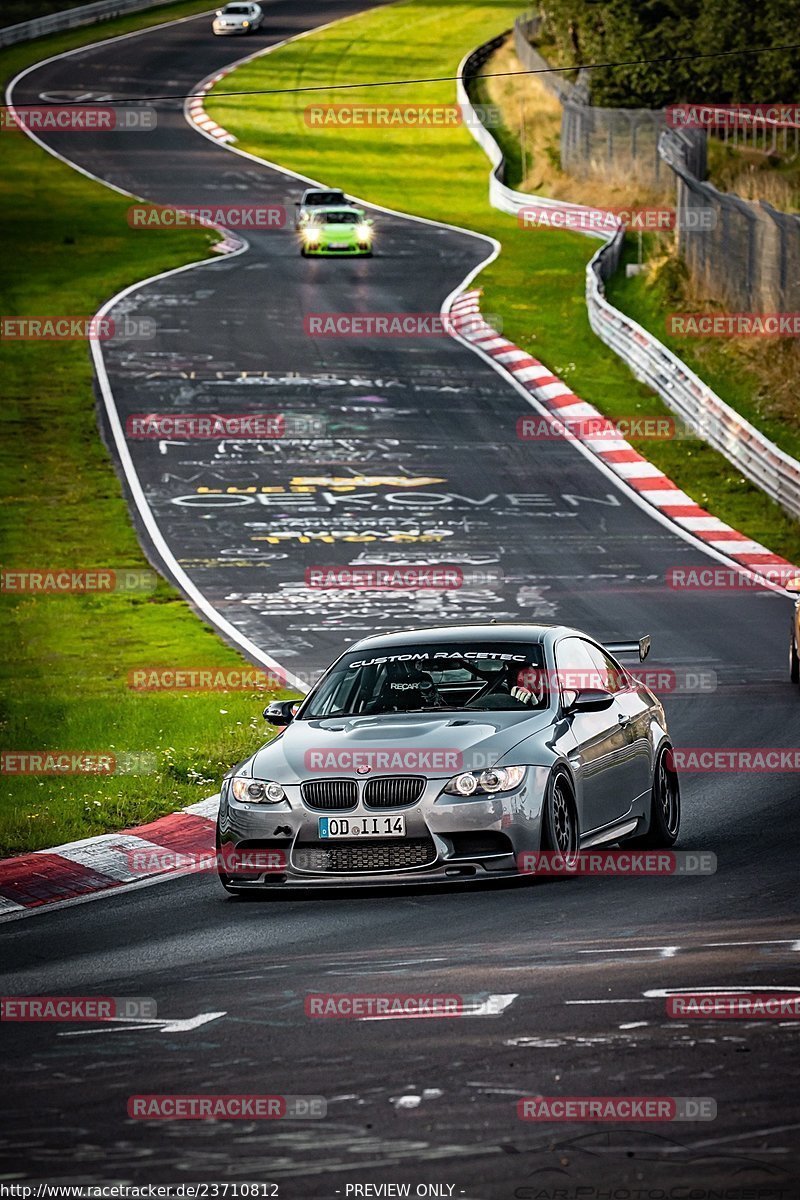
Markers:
{"x": 612, "y": 675}
{"x": 575, "y": 666}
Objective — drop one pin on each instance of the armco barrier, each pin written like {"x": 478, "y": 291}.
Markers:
{"x": 71, "y": 18}
{"x": 753, "y": 454}
{"x": 500, "y": 196}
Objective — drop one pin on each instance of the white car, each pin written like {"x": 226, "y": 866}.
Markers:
{"x": 314, "y": 199}
{"x": 237, "y": 18}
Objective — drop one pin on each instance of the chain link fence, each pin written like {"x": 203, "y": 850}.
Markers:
{"x": 604, "y": 142}
{"x": 526, "y": 30}
{"x": 748, "y": 254}
{"x": 750, "y": 258}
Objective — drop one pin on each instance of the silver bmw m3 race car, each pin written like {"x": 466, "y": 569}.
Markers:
{"x": 444, "y": 754}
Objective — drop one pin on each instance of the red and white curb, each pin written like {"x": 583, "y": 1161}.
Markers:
{"x": 195, "y": 112}
{"x": 100, "y": 864}
{"x": 616, "y": 453}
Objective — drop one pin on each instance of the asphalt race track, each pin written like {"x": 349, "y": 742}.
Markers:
{"x": 432, "y": 428}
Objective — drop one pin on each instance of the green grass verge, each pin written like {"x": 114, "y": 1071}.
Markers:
{"x": 65, "y": 659}
{"x": 537, "y": 283}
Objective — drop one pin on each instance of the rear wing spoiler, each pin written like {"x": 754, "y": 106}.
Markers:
{"x": 640, "y": 647}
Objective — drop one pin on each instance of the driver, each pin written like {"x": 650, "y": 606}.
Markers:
{"x": 529, "y": 686}
{"x": 511, "y": 688}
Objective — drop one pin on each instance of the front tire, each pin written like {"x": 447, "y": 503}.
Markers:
{"x": 560, "y": 833}
{"x": 665, "y": 807}
{"x": 221, "y": 875}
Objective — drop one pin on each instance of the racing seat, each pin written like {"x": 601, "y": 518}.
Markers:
{"x": 405, "y": 687}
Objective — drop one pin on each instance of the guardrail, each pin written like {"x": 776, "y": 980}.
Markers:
{"x": 71, "y": 18}
{"x": 500, "y": 196}
{"x": 753, "y": 454}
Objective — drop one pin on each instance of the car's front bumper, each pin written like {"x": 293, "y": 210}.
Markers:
{"x": 339, "y": 251}
{"x": 447, "y": 839}
{"x": 336, "y": 250}
{"x": 224, "y": 30}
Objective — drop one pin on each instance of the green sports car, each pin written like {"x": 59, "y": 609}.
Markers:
{"x": 336, "y": 229}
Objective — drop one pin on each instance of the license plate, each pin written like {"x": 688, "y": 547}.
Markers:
{"x": 361, "y": 827}
{"x": 338, "y": 245}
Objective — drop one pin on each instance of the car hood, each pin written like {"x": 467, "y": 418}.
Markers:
{"x": 435, "y": 746}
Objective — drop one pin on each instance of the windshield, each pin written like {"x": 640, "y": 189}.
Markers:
{"x": 470, "y": 676}
{"x": 324, "y": 198}
{"x": 336, "y": 218}
{"x": 236, "y": 10}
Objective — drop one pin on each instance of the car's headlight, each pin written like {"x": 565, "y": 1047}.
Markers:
{"x": 257, "y": 791}
{"x": 310, "y": 235}
{"x": 485, "y": 783}
{"x": 246, "y": 24}
{"x": 363, "y": 232}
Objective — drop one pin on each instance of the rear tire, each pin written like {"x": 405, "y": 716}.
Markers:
{"x": 794, "y": 661}
{"x": 665, "y": 807}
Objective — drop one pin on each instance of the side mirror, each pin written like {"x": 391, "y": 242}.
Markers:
{"x": 280, "y": 712}
{"x": 587, "y": 700}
